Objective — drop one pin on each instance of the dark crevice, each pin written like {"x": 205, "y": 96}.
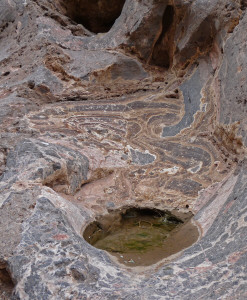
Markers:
{"x": 167, "y": 20}
{"x": 96, "y": 16}
{"x": 161, "y": 52}
{"x": 6, "y": 73}
{"x": 6, "y": 284}
{"x": 243, "y": 4}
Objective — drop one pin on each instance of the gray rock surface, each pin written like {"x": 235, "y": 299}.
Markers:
{"x": 8, "y": 12}
{"x": 141, "y": 103}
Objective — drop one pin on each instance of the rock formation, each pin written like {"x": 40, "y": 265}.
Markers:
{"x": 105, "y": 104}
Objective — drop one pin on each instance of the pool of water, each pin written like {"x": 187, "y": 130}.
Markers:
{"x": 141, "y": 236}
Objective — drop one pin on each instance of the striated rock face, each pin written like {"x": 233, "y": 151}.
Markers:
{"x": 105, "y": 104}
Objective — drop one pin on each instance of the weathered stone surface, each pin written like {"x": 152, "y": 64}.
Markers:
{"x": 8, "y": 12}
{"x": 137, "y": 103}
{"x": 232, "y": 75}
{"x": 36, "y": 161}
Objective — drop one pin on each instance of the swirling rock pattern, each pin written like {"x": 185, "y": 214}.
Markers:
{"x": 150, "y": 113}
{"x": 128, "y": 133}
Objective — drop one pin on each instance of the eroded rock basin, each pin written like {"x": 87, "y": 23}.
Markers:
{"x": 142, "y": 236}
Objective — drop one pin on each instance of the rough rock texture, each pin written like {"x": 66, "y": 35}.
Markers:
{"x": 142, "y": 103}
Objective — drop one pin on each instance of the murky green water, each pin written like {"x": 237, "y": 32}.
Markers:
{"x": 140, "y": 236}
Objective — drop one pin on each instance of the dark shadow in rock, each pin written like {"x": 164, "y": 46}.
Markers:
{"x": 161, "y": 52}
{"x": 243, "y": 4}
{"x": 6, "y": 284}
{"x": 96, "y": 16}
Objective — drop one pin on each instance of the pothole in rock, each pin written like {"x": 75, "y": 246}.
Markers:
{"x": 142, "y": 236}
{"x": 97, "y": 16}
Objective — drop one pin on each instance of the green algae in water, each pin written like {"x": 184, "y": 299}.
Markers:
{"x": 138, "y": 236}
{"x": 134, "y": 238}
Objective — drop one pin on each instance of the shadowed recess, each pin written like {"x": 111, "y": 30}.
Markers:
{"x": 161, "y": 55}
{"x": 6, "y": 284}
{"x": 96, "y": 15}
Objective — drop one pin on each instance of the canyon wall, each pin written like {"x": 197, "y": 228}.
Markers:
{"x": 105, "y": 104}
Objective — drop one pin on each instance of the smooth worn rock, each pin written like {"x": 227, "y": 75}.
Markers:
{"x": 105, "y": 105}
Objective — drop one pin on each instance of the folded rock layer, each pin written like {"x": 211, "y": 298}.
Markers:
{"x": 138, "y": 103}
